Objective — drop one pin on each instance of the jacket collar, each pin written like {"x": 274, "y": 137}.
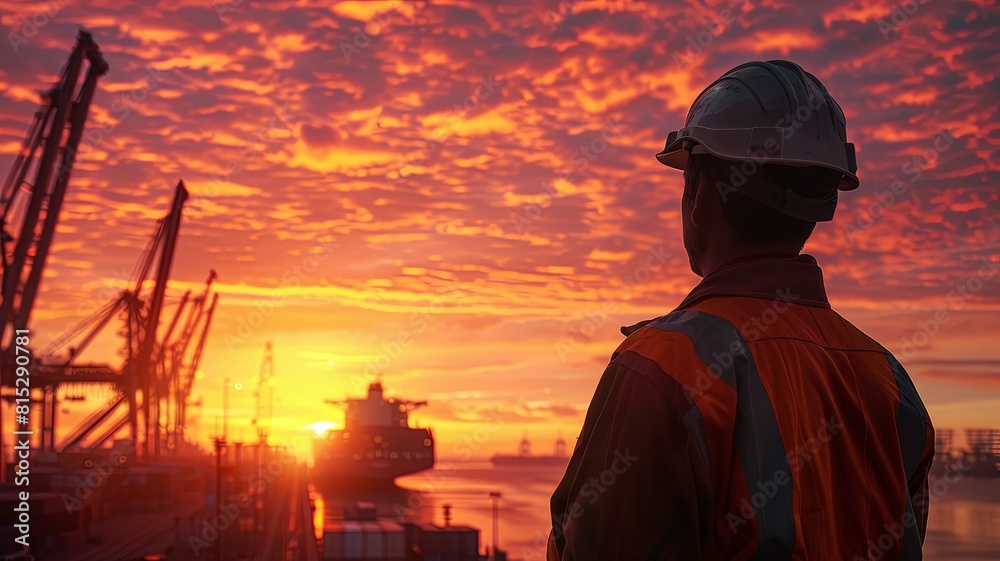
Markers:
{"x": 771, "y": 277}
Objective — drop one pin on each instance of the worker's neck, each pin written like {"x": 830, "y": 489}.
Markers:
{"x": 718, "y": 255}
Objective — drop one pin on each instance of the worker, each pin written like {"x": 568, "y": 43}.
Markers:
{"x": 752, "y": 422}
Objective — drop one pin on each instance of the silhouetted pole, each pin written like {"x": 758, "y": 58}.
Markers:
{"x": 225, "y": 408}
{"x": 495, "y": 495}
{"x": 219, "y": 443}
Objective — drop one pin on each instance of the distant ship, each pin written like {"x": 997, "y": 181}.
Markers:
{"x": 525, "y": 458}
{"x": 376, "y": 443}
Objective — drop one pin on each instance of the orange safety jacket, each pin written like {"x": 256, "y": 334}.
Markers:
{"x": 751, "y": 423}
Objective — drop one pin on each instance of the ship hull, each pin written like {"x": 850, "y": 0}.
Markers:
{"x": 372, "y": 455}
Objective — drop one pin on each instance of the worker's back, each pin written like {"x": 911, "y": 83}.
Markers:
{"x": 835, "y": 426}
{"x": 757, "y": 424}
{"x": 811, "y": 428}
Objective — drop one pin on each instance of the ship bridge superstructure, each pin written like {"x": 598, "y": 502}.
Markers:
{"x": 376, "y": 410}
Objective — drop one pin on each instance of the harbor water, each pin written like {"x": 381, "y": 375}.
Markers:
{"x": 964, "y": 523}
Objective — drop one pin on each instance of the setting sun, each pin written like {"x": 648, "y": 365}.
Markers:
{"x": 321, "y": 427}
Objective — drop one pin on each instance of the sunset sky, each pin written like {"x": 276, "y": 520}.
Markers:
{"x": 464, "y": 197}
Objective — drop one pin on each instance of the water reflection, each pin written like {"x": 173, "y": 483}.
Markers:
{"x": 964, "y": 523}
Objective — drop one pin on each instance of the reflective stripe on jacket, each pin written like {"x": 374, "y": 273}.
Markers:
{"x": 752, "y": 423}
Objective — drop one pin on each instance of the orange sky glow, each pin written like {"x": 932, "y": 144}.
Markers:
{"x": 463, "y": 199}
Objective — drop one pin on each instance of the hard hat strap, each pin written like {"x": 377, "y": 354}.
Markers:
{"x": 852, "y": 159}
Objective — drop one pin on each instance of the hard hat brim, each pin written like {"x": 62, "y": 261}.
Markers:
{"x": 759, "y": 144}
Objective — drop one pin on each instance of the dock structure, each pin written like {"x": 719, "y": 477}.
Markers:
{"x": 362, "y": 535}
{"x": 168, "y": 510}
{"x": 982, "y": 455}
{"x": 943, "y": 451}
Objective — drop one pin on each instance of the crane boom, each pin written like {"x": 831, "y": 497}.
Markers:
{"x": 143, "y": 376}
{"x": 186, "y": 384}
{"x": 22, "y": 269}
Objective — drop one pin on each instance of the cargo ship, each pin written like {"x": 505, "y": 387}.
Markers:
{"x": 376, "y": 444}
{"x": 525, "y": 458}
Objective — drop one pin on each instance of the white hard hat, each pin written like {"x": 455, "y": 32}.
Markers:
{"x": 772, "y": 113}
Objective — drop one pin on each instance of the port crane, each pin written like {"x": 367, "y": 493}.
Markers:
{"x": 60, "y": 363}
{"x": 184, "y": 374}
{"x": 157, "y": 375}
{"x": 32, "y": 196}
